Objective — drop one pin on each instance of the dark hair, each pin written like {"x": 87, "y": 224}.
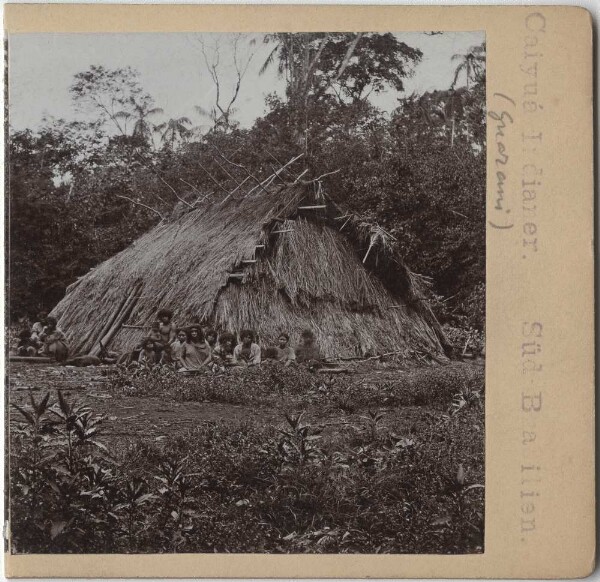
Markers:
{"x": 184, "y": 331}
{"x": 42, "y": 315}
{"x": 198, "y": 329}
{"x": 210, "y": 331}
{"x": 164, "y": 313}
{"x": 227, "y": 336}
{"x": 246, "y": 332}
{"x": 285, "y": 335}
{"x": 308, "y": 334}
{"x": 269, "y": 354}
{"x": 24, "y": 334}
{"x": 51, "y": 321}
{"x": 146, "y": 341}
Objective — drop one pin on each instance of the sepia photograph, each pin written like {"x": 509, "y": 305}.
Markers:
{"x": 245, "y": 292}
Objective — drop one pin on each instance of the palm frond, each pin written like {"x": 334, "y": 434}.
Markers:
{"x": 268, "y": 61}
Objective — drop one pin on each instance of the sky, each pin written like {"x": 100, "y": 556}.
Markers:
{"x": 172, "y": 70}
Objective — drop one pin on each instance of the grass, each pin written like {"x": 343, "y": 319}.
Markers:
{"x": 378, "y": 481}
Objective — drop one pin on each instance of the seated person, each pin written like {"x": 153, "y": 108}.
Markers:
{"x": 195, "y": 353}
{"x": 55, "y": 341}
{"x": 285, "y": 352}
{"x": 269, "y": 354}
{"x": 211, "y": 338}
{"x": 223, "y": 353}
{"x": 27, "y": 346}
{"x": 308, "y": 352}
{"x": 147, "y": 354}
{"x": 246, "y": 353}
{"x": 37, "y": 329}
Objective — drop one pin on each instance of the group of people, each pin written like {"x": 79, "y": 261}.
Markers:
{"x": 193, "y": 348}
{"x": 43, "y": 339}
{"x": 190, "y": 348}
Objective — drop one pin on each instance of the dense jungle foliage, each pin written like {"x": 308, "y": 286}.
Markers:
{"x": 80, "y": 191}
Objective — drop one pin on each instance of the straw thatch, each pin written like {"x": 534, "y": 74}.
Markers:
{"x": 308, "y": 274}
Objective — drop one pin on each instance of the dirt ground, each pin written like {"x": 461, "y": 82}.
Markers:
{"x": 151, "y": 417}
{"x": 129, "y": 418}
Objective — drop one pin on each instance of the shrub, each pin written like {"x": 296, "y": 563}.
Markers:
{"x": 247, "y": 488}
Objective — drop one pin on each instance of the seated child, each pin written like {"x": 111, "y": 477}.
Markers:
{"x": 26, "y": 346}
{"x": 269, "y": 353}
{"x": 55, "y": 341}
{"x": 247, "y": 353}
{"x": 308, "y": 352}
{"x": 223, "y": 353}
{"x": 211, "y": 338}
{"x": 195, "y": 354}
{"x": 285, "y": 352}
{"x": 37, "y": 330}
{"x": 148, "y": 352}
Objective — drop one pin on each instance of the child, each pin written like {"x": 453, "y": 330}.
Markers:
{"x": 55, "y": 341}
{"x": 269, "y": 353}
{"x": 308, "y": 352}
{"x": 211, "y": 338}
{"x": 195, "y": 353}
{"x": 157, "y": 340}
{"x": 26, "y": 346}
{"x": 285, "y": 352}
{"x": 166, "y": 327}
{"x": 246, "y": 353}
{"x": 147, "y": 355}
{"x": 177, "y": 347}
{"x": 223, "y": 353}
{"x": 37, "y": 330}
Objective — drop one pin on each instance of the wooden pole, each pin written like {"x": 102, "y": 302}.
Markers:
{"x": 212, "y": 178}
{"x": 119, "y": 319}
{"x": 110, "y": 321}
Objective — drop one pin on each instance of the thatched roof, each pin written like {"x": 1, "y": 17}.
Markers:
{"x": 308, "y": 274}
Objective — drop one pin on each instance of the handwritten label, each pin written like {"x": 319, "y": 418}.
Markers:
{"x": 503, "y": 120}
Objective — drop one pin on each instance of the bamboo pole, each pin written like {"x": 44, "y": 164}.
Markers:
{"x": 109, "y": 322}
{"x": 119, "y": 320}
{"x": 113, "y": 331}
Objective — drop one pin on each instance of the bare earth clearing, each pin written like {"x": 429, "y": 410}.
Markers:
{"x": 152, "y": 418}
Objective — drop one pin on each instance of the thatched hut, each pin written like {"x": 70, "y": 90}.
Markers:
{"x": 276, "y": 260}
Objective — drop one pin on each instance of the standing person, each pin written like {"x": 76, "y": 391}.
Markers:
{"x": 157, "y": 340}
{"x": 246, "y": 353}
{"x": 166, "y": 326}
{"x": 177, "y": 347}
{"x": 196, "y": 353}
{"x": 55, "y": 341}
{"x": 308, "y": 352}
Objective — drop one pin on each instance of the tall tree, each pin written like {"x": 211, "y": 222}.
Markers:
{"x": 222, "y": 111}
{"x": 173, "y": 130}
{"x": 471, "y": 63}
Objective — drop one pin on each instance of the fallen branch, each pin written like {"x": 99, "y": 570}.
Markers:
{"x": 141, "y": 204}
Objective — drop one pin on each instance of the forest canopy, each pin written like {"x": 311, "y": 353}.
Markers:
{"x": 81, "y": 191}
